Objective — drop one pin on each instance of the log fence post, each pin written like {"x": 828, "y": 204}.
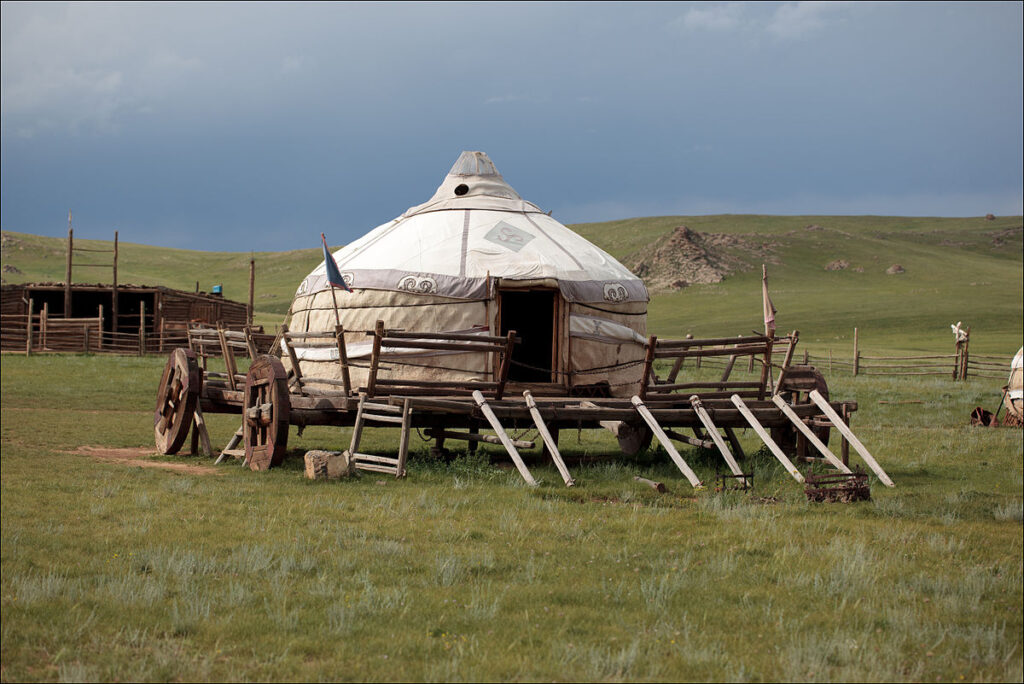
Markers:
{"x": 856, "y": 352}
{"x": 142, "y": 327}
{"x": 28, "y": 328}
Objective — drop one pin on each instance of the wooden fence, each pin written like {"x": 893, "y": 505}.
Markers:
{"x": 959, "y": 365}
{"x": 86, "y": 335}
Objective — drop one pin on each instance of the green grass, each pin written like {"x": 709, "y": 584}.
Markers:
{"x": 460, "y": 572}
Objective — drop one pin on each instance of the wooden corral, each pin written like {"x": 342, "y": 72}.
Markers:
{"x": 146, "y": 319}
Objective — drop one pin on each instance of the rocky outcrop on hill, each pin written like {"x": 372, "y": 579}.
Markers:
{"x": 685, "y": 257}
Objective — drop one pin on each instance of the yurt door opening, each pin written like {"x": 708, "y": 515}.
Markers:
{"x": 532, "y": 314}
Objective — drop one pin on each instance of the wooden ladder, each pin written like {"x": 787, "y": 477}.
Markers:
{"x": 384, "y": 414}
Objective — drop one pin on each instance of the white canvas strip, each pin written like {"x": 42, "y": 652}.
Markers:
{"x": 602, "y": 330}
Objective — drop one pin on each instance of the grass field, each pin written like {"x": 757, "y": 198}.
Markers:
{"x": 118, "y": 564}
{"x": 115, "y": 569}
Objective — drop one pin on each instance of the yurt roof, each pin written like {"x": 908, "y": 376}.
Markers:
{"x": 474, "y": 227}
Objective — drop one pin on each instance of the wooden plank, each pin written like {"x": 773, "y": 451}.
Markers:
{"x": 809, "y": 434}
{"x": 766, "y": 438}
{"x": 840, "y": 425}
{"x": 505, "y": 441}
{"x": 464, "y": 337}
{"x": 645, "y": 379}
{"x": 692, "y": 441}
{"x": 373, "y": 468}
{"x": 230, "y": 449}
{"x": 296, "y": 370}
{"x": 378, "y": 336}
{"x": 200, "y": 424}
{"x": 339, "y": 339}
{"x": 717, "y": 438}
{"x": 376, "y": 418}
{"x": 468, "y": 347}
{"x": 549, "y": 441}
{"x": 666, "y": 443}
{"x": 746, "y": 350}
{"x": 403, "y": 446}
{"x": 373, "y": 458}
{"x": 707, "y": 342}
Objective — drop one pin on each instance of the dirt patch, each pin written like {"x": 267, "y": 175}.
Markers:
{"x": 837, "y": 265}
{"x": 138, "y": 456}
{"x": 685, "y": 257}
{"x": 895, "y": 269}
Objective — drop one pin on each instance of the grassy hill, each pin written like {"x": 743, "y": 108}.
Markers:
{"x": 956, "y": 269}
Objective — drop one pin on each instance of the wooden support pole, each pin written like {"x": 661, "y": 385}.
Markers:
{"x": 252, "y": 290}
{"x": 378, "y": 337}
{"x": 505, "y": 441}
{"x": 115, "y": 321}
{"x": 549, "y": 441}
{"x": 652, "y": 345}
{"x": 99, "y": 342}
{"x": 809, "y": 434}
{"x": 28, "y": 328}
{"x": 712, "y": 429}
{"x": 403, "y": 446}
{"x": 142, "y": 327}
{"x": 856, "y": 352}
{"x": 339, "y": 336}
{"x": 67, "y": 270}
{"x": 848, "y": 433}
{"x": 43, "y": 324}
{"x": 665, "y": 442}
{"x": 766, "y": 438}
{"x": 200, "y": 429}
{"x": 85, "y": 338}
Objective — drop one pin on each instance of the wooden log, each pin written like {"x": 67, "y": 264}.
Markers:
{"x": 766, "y": 438}
{"x": 809, "y": 434}
{"x": 656, "y": 486}
{"x": 506, "y": 442}
{"x": 549, "y": 441}
{"x": 296, "y": 370}
{"x": 437, "y": 433}
{"x": 663, "y": 439}
{"x": 717, "y": 438}
{"x": 843, "y": 428}
{"x": 692, "y": 441}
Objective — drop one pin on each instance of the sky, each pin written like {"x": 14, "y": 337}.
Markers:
{"x": 257, "y": 126}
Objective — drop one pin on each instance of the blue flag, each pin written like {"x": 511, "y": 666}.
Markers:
{"x": 333, "y": 274}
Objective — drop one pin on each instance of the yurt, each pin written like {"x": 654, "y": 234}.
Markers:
{"x": 476, "y": 257}
{"x": 1014, "y": 391}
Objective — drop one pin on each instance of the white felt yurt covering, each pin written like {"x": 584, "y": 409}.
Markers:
{"x": 1015, "y": 386}
{"x": 478, "y": 257}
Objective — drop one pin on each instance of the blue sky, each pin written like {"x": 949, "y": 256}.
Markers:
{"x": 257, "y": 126}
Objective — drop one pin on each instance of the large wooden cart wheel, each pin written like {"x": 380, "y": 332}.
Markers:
{"x": 795, "y": 388}
{"x": 265, "y": 413}
{"x": 176, "y": 399}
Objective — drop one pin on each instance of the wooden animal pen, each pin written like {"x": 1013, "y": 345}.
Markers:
{"x": 149, "y": 319}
